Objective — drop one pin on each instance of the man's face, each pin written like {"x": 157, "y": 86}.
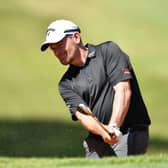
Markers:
{"x": 65, "y": 50}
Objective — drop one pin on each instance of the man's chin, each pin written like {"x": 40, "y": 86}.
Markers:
{"x": 64, "y": 62}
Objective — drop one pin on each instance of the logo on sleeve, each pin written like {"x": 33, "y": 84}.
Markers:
{"x": 125, "y": 70}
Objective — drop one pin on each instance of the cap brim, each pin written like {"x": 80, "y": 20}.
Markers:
{"x": 44, "y": 46}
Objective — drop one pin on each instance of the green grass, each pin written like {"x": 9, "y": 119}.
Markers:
{"x": 34, "y": 121}
{"x": 148, "y": 161}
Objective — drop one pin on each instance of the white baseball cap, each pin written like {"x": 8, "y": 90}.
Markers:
{"x": 57, "y": 30}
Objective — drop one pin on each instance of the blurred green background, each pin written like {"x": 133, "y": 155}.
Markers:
{"x": 33, "y": 118}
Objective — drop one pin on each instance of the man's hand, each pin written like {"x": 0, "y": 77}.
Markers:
{"x": 112, "y": 137}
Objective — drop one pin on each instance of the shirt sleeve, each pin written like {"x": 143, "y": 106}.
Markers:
{"x": 71, "y": 98}
{"x": 117, "y": 64}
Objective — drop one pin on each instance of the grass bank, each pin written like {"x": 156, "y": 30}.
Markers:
{"x": 147, "y": 161}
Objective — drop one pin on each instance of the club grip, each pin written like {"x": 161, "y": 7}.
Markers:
{"x": 84, "y": 109}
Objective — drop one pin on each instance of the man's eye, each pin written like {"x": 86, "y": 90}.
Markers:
{"x": 61, "y": 45}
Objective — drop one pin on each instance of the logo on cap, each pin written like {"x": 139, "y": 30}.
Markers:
{"x": 49, "y": 31}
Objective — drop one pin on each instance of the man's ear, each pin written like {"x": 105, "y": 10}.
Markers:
{"x": 76, "y": 37}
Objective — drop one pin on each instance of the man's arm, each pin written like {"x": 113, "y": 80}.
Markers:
{"x": 120, "y": 108}
{"x": 121, "y": 103}
{"x": 89, "y": 123}
{"x": 72, "y": 100}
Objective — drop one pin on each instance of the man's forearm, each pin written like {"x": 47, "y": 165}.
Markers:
{"x": 90, "y": 123}
{"x": 121, "y": 103}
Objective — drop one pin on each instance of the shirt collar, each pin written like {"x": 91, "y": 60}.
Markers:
{"x": 91, "y": 50}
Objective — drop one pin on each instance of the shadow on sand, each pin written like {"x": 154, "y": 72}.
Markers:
{"x": 40, "y": 138}
{"x": 49, "y": 139}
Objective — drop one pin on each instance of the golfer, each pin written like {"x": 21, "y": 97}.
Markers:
{"x": 101, "y": 78}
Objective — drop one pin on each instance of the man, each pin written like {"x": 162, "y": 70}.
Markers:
{"x": 100, "y": 77}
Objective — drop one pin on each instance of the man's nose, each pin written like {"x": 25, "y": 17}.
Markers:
{"x": 56, "y": 51}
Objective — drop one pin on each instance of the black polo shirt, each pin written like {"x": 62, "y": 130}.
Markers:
{"x": 93, "y": 83}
